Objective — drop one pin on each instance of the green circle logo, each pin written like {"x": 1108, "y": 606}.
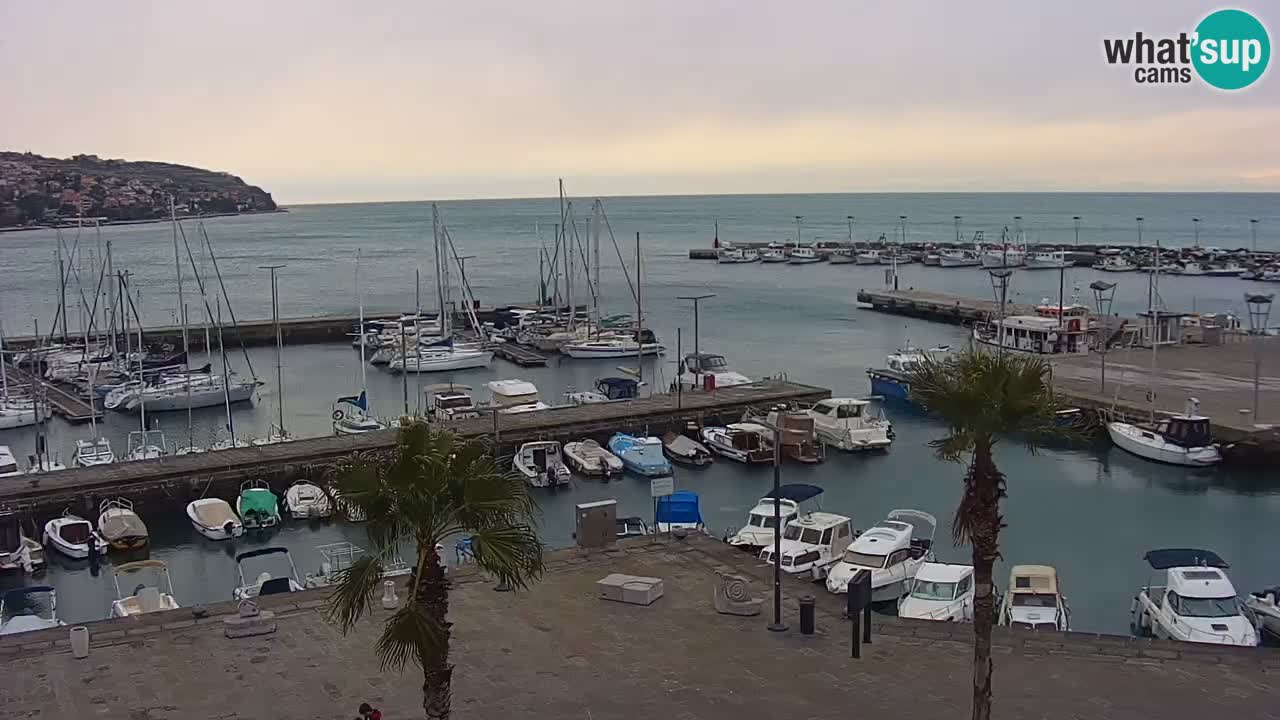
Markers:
{"x": 1232, "y": 49}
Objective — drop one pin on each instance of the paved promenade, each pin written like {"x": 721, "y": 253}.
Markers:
{"x": 560, "y": 652}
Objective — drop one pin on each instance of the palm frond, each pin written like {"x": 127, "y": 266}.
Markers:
{"x": 352, "y": 595}
{"x": 512, "y": 553}
{"x": 409, "y": 634}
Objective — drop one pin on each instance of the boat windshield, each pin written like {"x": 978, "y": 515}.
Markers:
{"x": 1206, "y": 607}
{"x": 866, "y": 560}
{"x": 764, "y": 521}
{"x": 808, "y": 536}
{"x": 1044, "y": 600}
{"x": 928, "y": 590}
{"x": 8, "y": 468}
{"x": 449, "y": 403}
{"x": 713, "y": 362}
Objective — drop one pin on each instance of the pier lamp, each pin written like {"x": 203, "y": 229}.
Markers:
{"x": 275, "y": 320}
{"x": 1195, "y": 223}
{"x": 850, "y": 219}
{"x": 1000, "y": 289}
{"x": 1103, "y": 294}
{"x": 903, "y": 220}
{"x": 798, "y": 219}
{"x": 1076, "y": 220}
{"x": 777, "y": 625}
{"x": 1259, "y": 314}
{"x": 1253, "y": 235}
{"x": 957, "y": 219}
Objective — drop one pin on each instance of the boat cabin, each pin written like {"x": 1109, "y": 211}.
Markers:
{"x": 943, "y": 592}
{"x": 1162, "y": 328}
{"x": 450, "y": 402}
{"x": 811, "y": 543}
{"x": 1036, "y": 335}
{"x": 617, "y": 388}
{"x": 707, "y": 371}
{"x": 1033, "y": 600}
{"x": 758, "y": 532}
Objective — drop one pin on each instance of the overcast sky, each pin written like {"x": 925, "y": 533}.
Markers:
{"x": 322, "y": 101}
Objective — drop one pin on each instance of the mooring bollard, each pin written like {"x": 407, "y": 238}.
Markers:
{"x": 806, "y": 615}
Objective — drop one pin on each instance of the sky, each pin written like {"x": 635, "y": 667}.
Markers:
{"x": 323, "y": 101}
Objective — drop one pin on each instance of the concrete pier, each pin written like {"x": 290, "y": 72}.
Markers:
{"x": 938, "y": 307}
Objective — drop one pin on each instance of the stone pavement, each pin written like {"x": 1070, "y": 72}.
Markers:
{"x": 559, "y": 652}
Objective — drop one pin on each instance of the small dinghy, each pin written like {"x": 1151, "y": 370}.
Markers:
{"x": 214, "y": 519}
{"x": 540, "y": 464}
{"x": 267, "y": 582}
{"x": 685, "y": 451}
{"x": 640, "y": 455}
{"x": 29, "y": 608}
{"x": 146, "y": 598}
{"x": 589, "y": 458}
{"x": 306, "y": 500}
{"x": 74, "y": 537}
{"x": 258, "y": 507}
{"x": 120, "y": 526}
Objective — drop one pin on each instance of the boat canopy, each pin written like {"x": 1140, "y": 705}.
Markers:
{"x": 260, "y": 552}
{"x": 1033, "y": 579}
{"x": 617, "y": 388}
{"x": 797, "y": 492}
{"x": 140, "y": 565}
{"x": 1183, "y": 557}
{"x": 258, "y": 501}
{"x": 679, "y": 507}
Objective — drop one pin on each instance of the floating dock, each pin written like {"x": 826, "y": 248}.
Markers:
{"x": 938, "y": 307}
{"x": 184, "y": 478}
{"x": 520, "y": 355}
{"x": 67, "y": 405}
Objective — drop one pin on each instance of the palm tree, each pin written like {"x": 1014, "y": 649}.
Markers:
{"x": 982, "y": 397}
{"x": 429, "y": 488}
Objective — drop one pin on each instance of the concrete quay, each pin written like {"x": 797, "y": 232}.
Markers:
{"x": 558, "y": 651}
{"x": 183, "y": 478}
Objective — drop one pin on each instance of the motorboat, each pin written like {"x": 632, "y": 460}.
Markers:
{"x": 1032, "y": 335}
{"x": 1034, "y": 600}
{"x": 708, "y": 371}
{"x": 1047, "y": 260}
{"x": 679, "y": 511}
{"x": 541, "y": 464}
{"x": 74, "y": 537}
{"x": 943, "y": 592}
{"x": 736, "y": 255}
{"x": 267, "y": 582}
{"x": 275, "y": 435}
{"x": 1196, "y": 604}
{"x": 589, "y": 458}
{"x": 1227, "y": 269}
{"x": 1006, "y": 257}
{"x": 146, "y": 598}
{"x": 229, "y": 443}
{"x": 608, "y": 389}
{"x": 340, "y": 556}
{"x": 628, "y": 527}
{"x": 798, "y": 434}
{"x": 189, "y": 450}
{"x": 804, "y": 255}
{"x": 8, "y": 463}
{"x": 784, "y": 502}
{"x": 1264, "y": 606}
{"x": 17, "y": 551}
{"x": 1177, "y": 440}
{"x": 90, "y": 453}
{"x": 685, "y": 451}
{"x": 773, "y": 255}
{"x": 257, "y": 506}
{"x": 146, "y": 445}
{"x": 513, "y": 397}
{"x": 896, "y": 256}
{"x": 214, "y": 519}
{"x": 741, "y": 442}
{"x": 811, "y": 543}
{"x": 28, "y": 609}
{"x": 959, "y": 258}
{"x": 1115, "y": 263}
{"x": 442, "y": 359}
{"x": 852, "y": 424}
{"x": 867, "y": 257}
{"x": 893, "y": 381}
{"x": 615, "y": 347}
{"x": 932, "y": 259}
{"x": 892, "y": 549}
{"x": 641, "y": 455}
{"x": 351, "y": 416}
{"x": 306, "y": 501}
{"x": 447, "y": 402}
{"x": 120, "y": 526}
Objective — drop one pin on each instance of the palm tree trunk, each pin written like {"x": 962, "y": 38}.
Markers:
{"x": 437, "y": 673}
{"x": 984, "y": 488}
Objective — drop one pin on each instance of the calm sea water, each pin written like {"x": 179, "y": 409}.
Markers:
{"x": 1090, "y": 512}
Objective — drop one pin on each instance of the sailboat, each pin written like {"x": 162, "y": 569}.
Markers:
{"x": 13, "y": 414}
{"x": 349, "y": 422}
{"x": 276, "y": 434}
{"x": 93, "y": 452}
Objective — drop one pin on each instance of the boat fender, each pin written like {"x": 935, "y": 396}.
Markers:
{"x": 337, "y": 414}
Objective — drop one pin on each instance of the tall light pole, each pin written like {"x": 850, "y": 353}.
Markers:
{"x": 1000, "y": 288}
{"x": 777, "y": 625}
{"x": 1076, "y": 219}
{"x": 957, "y": 219}
{"x": 1103, "y": 294}
{"x": 1259, "y": 314}
{"x": 798, "y": 219}
{"x": 696, "y": 299}
{"x": 1195, "y": 223}
{"x": 850, "y": 219}
{"x": 1253, "y": 235}
{"x": 275, "y": 319}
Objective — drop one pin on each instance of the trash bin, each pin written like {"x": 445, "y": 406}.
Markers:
{"x": 806, "y": 615}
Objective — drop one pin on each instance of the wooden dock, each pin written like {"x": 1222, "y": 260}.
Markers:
{"x": 183, "y": 478}
{"x": 939, "y": 307}
{"x": 68, "y": 406}
{"x": 520, "y": 355}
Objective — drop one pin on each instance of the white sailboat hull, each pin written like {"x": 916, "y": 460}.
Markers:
{"x": 441, "y": 362}
{"x": 200, "y": 397}
{"x": 1149, "y": 445}
{"x": 610, "y": 350}
{"x": 948, "y": 261}
{"x": 16, "y": 417}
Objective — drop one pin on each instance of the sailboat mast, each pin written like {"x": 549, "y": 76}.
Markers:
{"x": 639, "y": 320}
{"x": 1155, "y": 327}
{"x": 435, "y": 249}
{"x": 275, "y": 316}
{"x": 4, "y": 374}
{"x": 226, "y": 384}
{"x": 360, "y": 302}
{"x": 182, "y": 318}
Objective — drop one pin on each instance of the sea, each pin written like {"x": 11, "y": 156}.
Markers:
{"x": 1091, "y": 511}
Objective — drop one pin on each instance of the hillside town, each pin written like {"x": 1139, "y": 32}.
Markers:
{"x": 38, "y": 191}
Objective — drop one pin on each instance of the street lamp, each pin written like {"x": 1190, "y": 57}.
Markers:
{"x": 1195, "y": 223}
{"x": 1000, "y": 288}
{"x": 957, "y": 219}
{"x": 1103, "y": 294}
{"x": 695, "y": 299}
{"x": 903, "y": 220}
{"x": 850, "y": 218}
{"x": 1253, "y": 235}
{"x": 798, "y": 219}
{"x": 777, "y": 625}
{"x": 1259, "y": 314}
{"x": 1076, "y": 219}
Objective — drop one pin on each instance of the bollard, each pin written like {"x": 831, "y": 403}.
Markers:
{"x": 806, "y": 615}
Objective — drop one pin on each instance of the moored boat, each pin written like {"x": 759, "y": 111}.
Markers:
{"x": 29, "y": 608}
{"x": 589, "y": 458}
{"x": 784, "y": 503}
{"x": 74, "y": 537}
{"x": 17, "y": 551}
{"x": 541, "y": 465}
{"x": 257, "y": 506}
{"x": 307, "y": 501}
{"x": 146, "y": 598}
{"x": 120, "y": 526}
{"x": 93, "y": 452}
{"x": 1034, "y": 600}
{"x": 892, "y": 550}
{"x": 685, "y": 451}
{"x": 267, "y": 582}
{"x": 1184, "y": 439}
{"x": 942, "y": 592}
{"x": 1196, "y": 604}
{"x": 214, "y": 519}
{"x": 741, "y": 444}
{"x": 640, "y": 455}
{"x": 852, "y": 424}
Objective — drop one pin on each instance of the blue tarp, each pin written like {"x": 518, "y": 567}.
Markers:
{"x": 679, "y": 507}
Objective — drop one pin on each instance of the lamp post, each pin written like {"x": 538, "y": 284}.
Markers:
{"x": 777, "y": 625}
{"x": 1076, "y": 220}
{"x": 1103, "y": 294}
{"x": 957, "y": 219}
{"x": 695, "y": 299}
{"x": 1259, "y": 314}
{"x": 1000, "y": 288}
{"x": 798, "y": 219}
{"x": 850, "y": 220}
{"x": 1195, "y": 223}
{"x": 1253, "y": 235}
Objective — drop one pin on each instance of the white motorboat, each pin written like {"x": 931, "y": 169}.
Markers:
{"x": 685, "y": 451}
{"x": 896, "y": 256}
{"x": 214, "y": 519}
{"x": 146, "y": 445}
{"x": 589, "y": 458}
{"x": 1197, "y": 603}
{"x": 257, "y": 506}
{"x": 307, "y": 500}
{"x": 1007, "y": 257}
{"x": 892, "y": 549}
{"x": 189, "y": 450}
{"x": 773, "y": 255}
{"x": 513, "y": 397}
{"x": 275, "y": 435}
{"x": 447, "y": 402}
{"x": 229, "y": 443}
{"x": 1114, "y": 263}
{"x": 736, "y": 255}
{"x": 45, "y": 465}
{"x": 267, "y": 582}
{"x": 633, "y": 526}
{"x": 1034, "y": 600}
{"x": 28, "y": 609}
{"x": 758, "y": 532}
{"x": 340, "y": 556}
{"x": 1033, "y": 335}
{"x": 608, "y": 389}
{"x": 740, "y": 442}
{"x": 120, "y": 526}
{"x": 852, "y": 424}
{"x": 93, "y": 452}
{"x": 1264, "y": 606}
{"x": 867, "y": 257}
{"x": 617, "y": 347}
{"x": 441, "y": 359}
{"x": 1047, "y": 260}
{"x": 811, "y": 543}
{"x": 1227, "y": 269}
{"x": 541, "y": 464}
{"x": 708, "y": 371}
{"x": 146, "y": 598}
{"x": 942, "y": 592}
{"x": 959, "y": 258}
{"x": 74, "y": 537}
{"x": 17, "y": 551}
{"x": 1177, "y": 440}
{"x": 8, "y": 463}
{"x": 804, "y": 255}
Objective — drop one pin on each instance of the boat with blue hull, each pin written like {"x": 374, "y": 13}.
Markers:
{"x": 891, "y": 381}
{"x": 640, "y": 455}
